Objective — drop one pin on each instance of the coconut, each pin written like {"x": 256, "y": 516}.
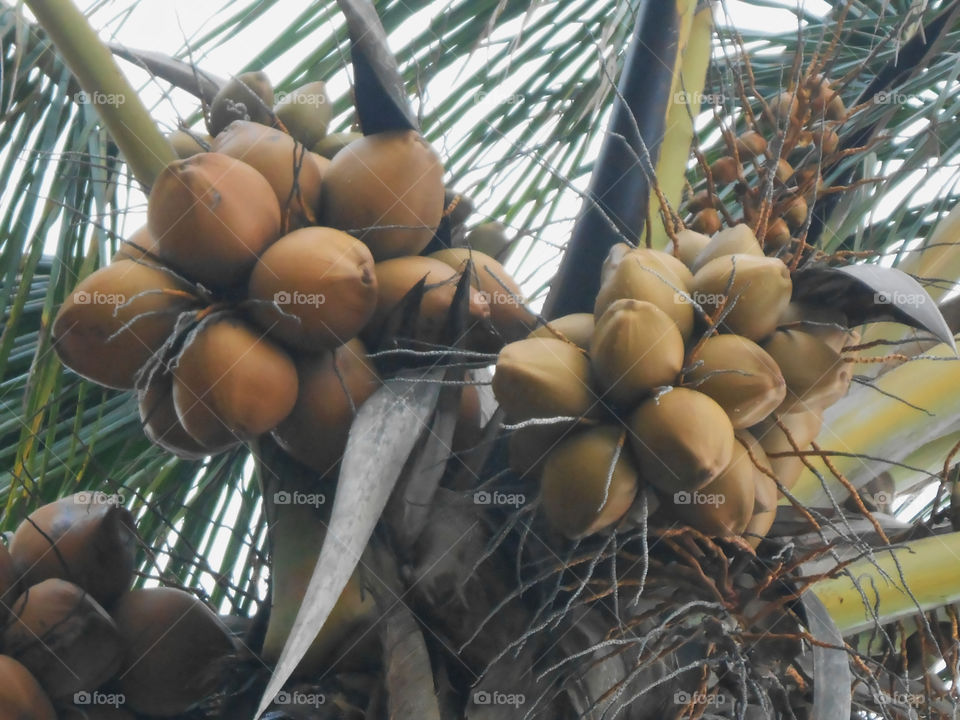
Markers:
{"x": 212, "y": 216}
{"x": 655, "y": 277}
{"x": 332, "y": 386}
{"x": 777, "y": 235}
{"x": 723, "y": 507}
{"x": 803, "y": 428}
{"x": 248, "y": 96}
{"x": 510, "y": 318}
{"x": 588, "y": 481}
{"x": 544, "y": 378}
{"x": 230, "y": 382}
{"x": 86, "y": 538}
{"x": 706, "y": 221}
{"x": 388, "y": 190}
{"x": 176, "y": 651}
{"x": 576, "y": 328}
{"x": 488, "y": 237}
{"x": 815, "y": 373}
{"x": 396, "y": 278}
{"x": 825, "y": 323}
{"x": 186, "y": 144}
{"x": 287, "y": 165}
{"x": 725, "y": 170}
{"x": 766, "y": 494}
{"x": 63, "y": 637}
{"x": 795, "y": 211}
{"x": 758, "y": 287}
{"x": 21, "y": 697}
{"x": 738, "y": 239}
{"x": 333, "y": 143}
{"x": 314, "y": 289}
{"x": 469, "y": 429}
{"x": 9, "y": 582}
{"x": 689, "y": 244}
{"x": 529, "y": 447}
{"x": 162, "y": 426}
{"x": 751, "y": 145}
{"x": 682, "y": 440}
{"x": 742, "y": 377}
{"x": 116, "y": 319}
{"x": 636, "y": 347}
{"x": 139, "y": 246}
{"x": 306, "y": 112}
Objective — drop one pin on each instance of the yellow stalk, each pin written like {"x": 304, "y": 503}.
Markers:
{"x": 871, "y": 423}
{"x": 930, "y": 574}
{"x": 690, "y": 73}
{"x": 941, "y": 256}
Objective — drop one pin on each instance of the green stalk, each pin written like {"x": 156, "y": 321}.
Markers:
{"x": 930, "y": 578}
{"x": 142, "y": 144}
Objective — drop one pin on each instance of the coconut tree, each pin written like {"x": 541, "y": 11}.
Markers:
{"x": 458, "y": 558}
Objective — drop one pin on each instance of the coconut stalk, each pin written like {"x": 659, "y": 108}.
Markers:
{"x": 616, "y": 206}
{"x": 118, "y": 105}
{"x": 690, "y": 76}
{"x": 898, "y": 583}
{"x": 868, "y": 423}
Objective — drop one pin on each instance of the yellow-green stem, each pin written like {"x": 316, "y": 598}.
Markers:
{"x": 929, "y": 567}
{"x": 143, "y": 145}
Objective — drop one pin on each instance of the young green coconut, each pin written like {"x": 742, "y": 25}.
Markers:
{"x": 63, "y": 637}
{"x": 86, "y": 538}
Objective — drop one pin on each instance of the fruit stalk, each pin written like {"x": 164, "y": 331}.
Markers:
{"x": 143, "y": 146}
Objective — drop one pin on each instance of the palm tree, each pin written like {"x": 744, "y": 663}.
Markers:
{"x": 486, "y": 612}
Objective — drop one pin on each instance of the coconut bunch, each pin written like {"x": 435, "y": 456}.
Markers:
{"x": 693, "y": 376}
{"x": 75, "y": 637}
{"x": 267, "y": 270}
{"x": 770, "y": 175}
